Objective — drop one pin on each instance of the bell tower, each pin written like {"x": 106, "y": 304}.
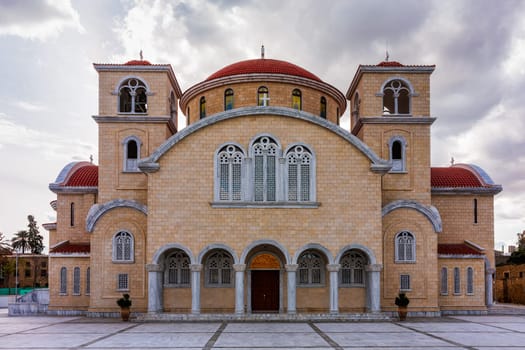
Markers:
{"x": 138, "y": 104}
{"x": 390, "y": 112}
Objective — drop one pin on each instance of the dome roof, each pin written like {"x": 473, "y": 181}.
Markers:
{"x": 263, "y": 65}
{"x": 82, "y": 176}
{"x": 138, "y": 63}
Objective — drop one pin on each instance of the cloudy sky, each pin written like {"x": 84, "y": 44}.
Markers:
{"x": 49, "y": 87}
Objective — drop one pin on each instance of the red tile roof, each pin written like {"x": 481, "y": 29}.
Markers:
{"x": 454, "y": 177}
{"x": 85, "y": 176}
{"x": 390, "y": 64}
{"x": 263, "y": 65}
{"x": 457, "y": 249}
{"x": 137, "y": 63}
{"x": 69, "y": 248}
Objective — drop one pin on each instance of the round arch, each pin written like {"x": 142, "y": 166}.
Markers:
{"x": 215, "y": 246}
{"x": 98, "y": 210}
{"x": 261, "y": 242}
{"x": 167, "y": 247}
{"x": 313, "y": 246}
{"x": 369, "y": 253}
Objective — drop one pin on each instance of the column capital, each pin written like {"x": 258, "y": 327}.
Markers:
{"x": 333, "y": 267}
{"x": 153, "y": 267}
{"x": 291, "y": 267}
{"x": 196, "y": 267}
{"x": 490, "y": 271}
{"x": 374, "y": 268}
{"x": 239, "y": 267}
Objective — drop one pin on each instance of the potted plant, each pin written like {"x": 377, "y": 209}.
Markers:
{"x": 402, "y": 302}
{"x": 124, "y": 303}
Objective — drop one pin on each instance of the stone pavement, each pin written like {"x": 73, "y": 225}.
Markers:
{"x": 446, "y": 333}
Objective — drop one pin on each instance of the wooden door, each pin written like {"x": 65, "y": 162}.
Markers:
{"x": 265, "y": 290}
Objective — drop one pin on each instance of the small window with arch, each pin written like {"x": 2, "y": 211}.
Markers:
{"x": 133, "y": 97}
{"x": 202, "y": 107}
{"x": 396, "y": 97}
{"x": 322, "y": 107}
{"x": 131, "y": 153}
{"x": 228, "y": 99}
{"x": 297, "y": 99}
{"x": 263, "y": 96}
{"x": 397, "y": 146}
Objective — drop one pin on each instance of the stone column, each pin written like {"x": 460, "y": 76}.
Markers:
{"x": 291, "y": 270}
{"x": 488, "y": 286}
{"x": 154, "y": 288}
{"x": 374, "y": 287}
{"x": 196, "y": 288}
{"x": 239, "y": 288}
{"x": 333, "y": 269}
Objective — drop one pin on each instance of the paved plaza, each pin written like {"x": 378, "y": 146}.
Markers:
{"x": 458, "y": 332}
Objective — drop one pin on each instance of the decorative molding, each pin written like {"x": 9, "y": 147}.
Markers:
{"x": 281, "y": 205}
{"x": 430, "y": 212}
{"x": 493, "y": 190}
{"x": 97, "y": 210}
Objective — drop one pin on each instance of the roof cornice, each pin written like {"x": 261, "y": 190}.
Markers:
{"x": 56, "y": 188}
{"x": 263, "y": 77}
{"x": 493, "y": 190}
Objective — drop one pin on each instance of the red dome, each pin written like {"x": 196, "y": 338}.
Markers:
{"x": 85, "y": 176}
{"x": 453, "y": 177}
{"x": 137, "y": 63}
{"x": 262, "y": 65}
{"x": 390, "y": 64}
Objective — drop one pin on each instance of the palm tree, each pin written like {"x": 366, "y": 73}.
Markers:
{"x": 21, "y": 241}
{"x": 5, "y": 247}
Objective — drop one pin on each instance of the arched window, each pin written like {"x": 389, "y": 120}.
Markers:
{"x": 72, "y": 214}
{"x": 123, "y": 247}
{"x": 228, "y": 99}
{"x": 202, "y": 107}
{"x": 322, "y": 108}
{"x": 219, "y": 269}
{"x": 396, "y": 98}
{"x": 444, "y": 281}
{"x": 63, "y": 281}
{"x": 352, "y": 269}
{"x": 131, "y": 153}
{"x": 311, "y": 269}
{"x": 133, "y": 97}
{"x": 397, "y": 145}
{"x": 230, "y": 160}
{"x": 88, "y": 281}
{"x": 300, "y": 169}
{"x": 297, "y": 99}
{"x": 457, "y": 281}
{"x": 470, "y": 280}
{"x": 177, "y": 270}
{"x": 405, "y": 244}
{"x": 265, "y": 154}
{"x": 263, "y": 96}
{"x": 76, "y": 281}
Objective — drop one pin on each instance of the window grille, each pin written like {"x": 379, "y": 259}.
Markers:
{"x": 310, "y": 269}
{"x": 470, "y": 280}
{"x": 88, "y": 281}
{"x": 352, "y": 269}
{"x": 63, "y": 280}
{"x": 405, "y": 246}
{"x": 76, "y": 281}
{"x": 123, "y": 246}
{"x": 444, "y": 281}
{"x": 122, "y": 281}
{"x": 265, "y": 155}
{"x": 404, "y": 282}
{"x": 230, "y": 160}
{"x": 220, "y": 267}
{"x": 178, "y": 270}
{"x": 457, "y": 281}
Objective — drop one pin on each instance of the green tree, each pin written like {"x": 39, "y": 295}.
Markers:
{"x": 20, "y": 241}
{"x": 5, "y": 246}
{"x": 35, "y": 238}
{"x": 518, "y": 257}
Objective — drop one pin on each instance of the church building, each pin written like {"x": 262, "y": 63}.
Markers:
{"x": 262, "y": 203}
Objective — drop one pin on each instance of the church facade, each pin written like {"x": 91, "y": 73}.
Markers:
{"x": 262, "y": 203}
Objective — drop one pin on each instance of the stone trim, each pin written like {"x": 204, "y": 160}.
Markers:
{"x": 493, "y": 190}
{"x": 150, "y": 164}
{"x": 460, "y": 256}
{"x": 97, "y": 210}
{"x": 430, "y": 212}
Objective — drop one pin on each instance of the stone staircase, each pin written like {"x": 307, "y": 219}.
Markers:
{"x": 33, "y": 303}
{"x": 506, "y": 309}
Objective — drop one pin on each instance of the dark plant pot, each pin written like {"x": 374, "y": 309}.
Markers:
{"x": 402, "y": 312}
{"x": 124, "y": 313}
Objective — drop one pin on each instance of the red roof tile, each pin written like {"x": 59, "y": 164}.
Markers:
{"x": 69, "y": 248}
{"x": 85, "y": 176}
{"x": 454, "y": 177}
{"x": 137, "y": 63}
{"x": 390, "y": 64}
{"x": 457, "y": 249}
{"x": 262, "y": 65}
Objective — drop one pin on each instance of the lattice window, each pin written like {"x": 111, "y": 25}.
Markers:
{"x": 404, "y": 282}
{"x": 123, "y": 246}
{"x": 405, "y": 245}
{"x": 352, "y": 269}
{"x": 177, "y": 270}
{"x": 63, "y": 281}
{"x": 444, "y": 281}
{"x": 76, "y": 281}
{"x": 230, "y": 161}
{"x": 470, "y": 280}
{"x": 88, "y": 281}
{"x": 310, "y": 270}
{"x": 219, "y": 270}
{"x": 299, "y": 164}
{"x": 133, "y": 96}
{"x": 123, "y": 281}
{"x": 265, "y": 152}
{"x": 457, "y": 281}
{"x": 396, "y": 98}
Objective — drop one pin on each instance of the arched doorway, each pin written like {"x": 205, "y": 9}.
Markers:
{"x": 265, "y": 282}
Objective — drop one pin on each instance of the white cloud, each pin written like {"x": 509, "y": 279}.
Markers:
{"x": 36, "y": 19}
{"x": 29, "y": 107}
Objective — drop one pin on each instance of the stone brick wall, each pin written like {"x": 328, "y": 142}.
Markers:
{"x": 69, "y": 301}
{"x": 509, "y": 284}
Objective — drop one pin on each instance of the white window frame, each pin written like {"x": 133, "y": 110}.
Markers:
{"x": 261, "y": 148}
{"x": 182, "y": 268}
{"x": 221, "y": 255}
{"x": 115, "y": 248}
{"x": 122, "y": 282}
{"x": 305, "y": 156}
{"x": 389, "y": 84}
{"x": 355, "y": 268}
{"x": 400, "y": 247}
{"x": 309, "y": 263}
{"x": 231, "y": 152}
{"x": 398, "y": 165}
{"x": 127, "y": 83}
{"x": 131, "y": 165}
{"x": 76, "y": 281}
